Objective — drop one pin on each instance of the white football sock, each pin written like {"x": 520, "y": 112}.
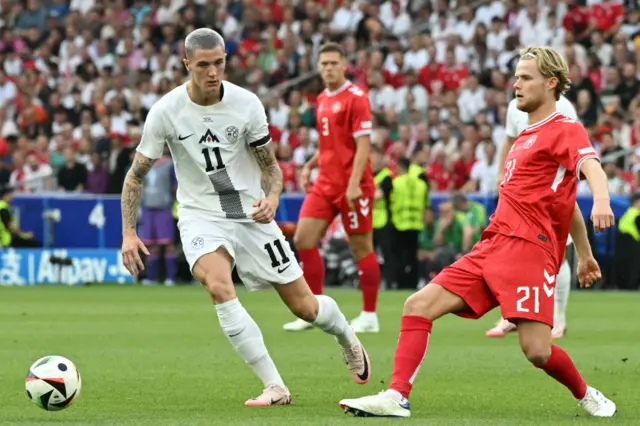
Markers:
{"x": 245, "y": 336}
{"x": 332, "y": 321}
{"x": 563, "y": 288}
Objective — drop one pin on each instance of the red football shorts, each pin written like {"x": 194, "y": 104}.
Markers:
{"x": 513, "y": 273}
{"x": 325, "y": 203}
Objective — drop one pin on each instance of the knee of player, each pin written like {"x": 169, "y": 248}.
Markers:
{"x": 301, "y": 241}
{"x": 305, "y": 309}
{"x": 220, "y": 288}
{"x": 537, "y": 354}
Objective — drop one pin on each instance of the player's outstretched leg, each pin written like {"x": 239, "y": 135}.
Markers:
{"x": 309, "y": 231}
{"x": 213, "y": 270}
{"x": 420, "y": 310}
{"x": 323, "y": 312}
{"x": 369, "y": 268}
{"x": 563, "y": 288}
{"x": 535, "y": 340}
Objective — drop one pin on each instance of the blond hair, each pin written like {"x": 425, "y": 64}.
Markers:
{"x": 550, "y": 64}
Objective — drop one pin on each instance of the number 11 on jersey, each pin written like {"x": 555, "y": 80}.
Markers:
{"x": 207, "y": 159}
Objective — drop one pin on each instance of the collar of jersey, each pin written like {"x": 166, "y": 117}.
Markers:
{"x": 207, "y": 106}
{"x": 541, "y": 123}
{"x": 339, "y": 89}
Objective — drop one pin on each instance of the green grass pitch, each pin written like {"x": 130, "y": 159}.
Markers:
{"x": 156, "y": 356}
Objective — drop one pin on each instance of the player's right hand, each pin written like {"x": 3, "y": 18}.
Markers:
{"x": 131, "y": 246}
{"x": 602, "y": 215}
{"x": 588, "y": 271}
{"x": 305, "y": 178}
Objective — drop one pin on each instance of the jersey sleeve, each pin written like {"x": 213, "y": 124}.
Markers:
{"x": 512, "y": 125}
{"x": 360, "y": 114}
{"x": 154, "y": 134}
{"x": 573, "y": 147}
{"x": 258, "y": 134}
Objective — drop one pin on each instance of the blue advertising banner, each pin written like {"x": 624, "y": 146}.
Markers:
{"x": 88, "y": 221}
{"x": 33, "y": 266}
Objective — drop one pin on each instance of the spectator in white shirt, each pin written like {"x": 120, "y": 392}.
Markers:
{"x": 346, "y": 18}
{"x": 395, "y": 18}
{"x": 601, "y": 48}
{"x": 381, "y": 95}
{"x": 418, "y": 93}
{"x": 489, "y": 10}
{"x": 484, "y": 172}
{"x": 497, "y": 34}
{"x": 466, "y": 26}
{"x": 416, "y": 57}
{"x": 472, "y": 99}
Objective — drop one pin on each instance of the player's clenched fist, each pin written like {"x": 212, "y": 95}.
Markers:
{"x": 588, "y": 272}
{"x": 131, "y": 246}
{"x": 264, "y": 210}
{"x": 602, "y": 215}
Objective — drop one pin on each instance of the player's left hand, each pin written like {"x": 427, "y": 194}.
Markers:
{"x": 588, "y": 272}
{"x": 354, "y": 194}
{"x": 602, "y": 215}
{"x": 264, "y": 210}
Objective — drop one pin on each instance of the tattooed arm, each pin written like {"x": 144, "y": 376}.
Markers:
{"x": 132, "y": 191}
{"x": 271, "y": 174}
{"x": 265, "y": 208}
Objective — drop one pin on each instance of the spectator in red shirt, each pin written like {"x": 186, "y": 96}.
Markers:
{"x": 452, "y": 74}
{"x": 608, "y": 17}
{"x": 439, "y": 175}
{"x": 462, "y": 167}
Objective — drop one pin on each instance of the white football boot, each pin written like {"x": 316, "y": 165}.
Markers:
{"x": 596, "y": 404}
{"x": 272, "y": 395}
{"x": 297, "y": 325}
{"x": 502, "y": 328}
{"x": 366, "y": 322}
{"x": 388, "y": 403}
{"x": 357, "y": 361}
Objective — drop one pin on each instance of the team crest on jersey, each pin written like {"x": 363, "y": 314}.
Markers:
{"x": 232, "y": 133}
{"x": 197, "y": 242}
{"x": 209, "y": 137}
{"x": 529, "y": 142}
{"x": 336, "y": 107}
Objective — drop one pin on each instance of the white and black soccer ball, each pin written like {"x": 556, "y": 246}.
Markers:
{"x": 53, "y": 382}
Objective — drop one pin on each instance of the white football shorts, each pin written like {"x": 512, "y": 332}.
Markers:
{"x": 261, "y": 253}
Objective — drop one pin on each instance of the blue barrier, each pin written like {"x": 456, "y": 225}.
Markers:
{"x": 33, "y": 266}
{"x": 90, "y": 221}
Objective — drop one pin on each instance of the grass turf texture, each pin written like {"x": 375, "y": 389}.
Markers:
{"x": 156, "y": 356}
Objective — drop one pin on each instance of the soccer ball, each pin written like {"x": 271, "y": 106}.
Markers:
{"x": 53, "y": 382}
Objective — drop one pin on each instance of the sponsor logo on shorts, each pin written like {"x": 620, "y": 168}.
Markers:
{"x": 281, "y": 270}
{"x": 197, "y": 243}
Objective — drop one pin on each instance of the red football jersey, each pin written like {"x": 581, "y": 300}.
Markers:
{"x": 538, "y": 193}
{"x": 341, "y": 117}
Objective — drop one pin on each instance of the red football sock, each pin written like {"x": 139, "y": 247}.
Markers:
{"x": 369, "y": 281}
{"x": 313, "y": 268}
{"x": 410, "y": 353}
{"x": 561, "y": 367}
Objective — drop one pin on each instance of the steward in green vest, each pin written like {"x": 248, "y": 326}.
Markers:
{"x": 10, "y": 233}
{"x": 381, "y": 205}
{"x": 627, "y": 253}
{"x": 408, "y": 205}
{"x": 408, "y": 199}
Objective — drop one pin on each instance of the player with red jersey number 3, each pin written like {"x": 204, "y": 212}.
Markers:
{"x": 515, "y": 263}
{"x": 344, "y": 186}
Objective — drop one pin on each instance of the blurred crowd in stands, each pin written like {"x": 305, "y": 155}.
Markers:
{"x": 78, "y": 77}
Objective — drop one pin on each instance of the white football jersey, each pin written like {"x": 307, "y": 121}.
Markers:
{"x": 218, "y": 175}
{"x": 518, "y": 120}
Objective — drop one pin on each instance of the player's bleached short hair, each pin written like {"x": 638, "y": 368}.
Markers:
{"x": 550, "y": 64}
{"x": 202, "y": 38}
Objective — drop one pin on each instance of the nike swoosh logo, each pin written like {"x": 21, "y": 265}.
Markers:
{"x": 185, "y": 137}
{"x": 275, "y": 401}
{"x": 234, "y": 335}
{"x": 365, "y": 373}
{"x": 283, "y": 269}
